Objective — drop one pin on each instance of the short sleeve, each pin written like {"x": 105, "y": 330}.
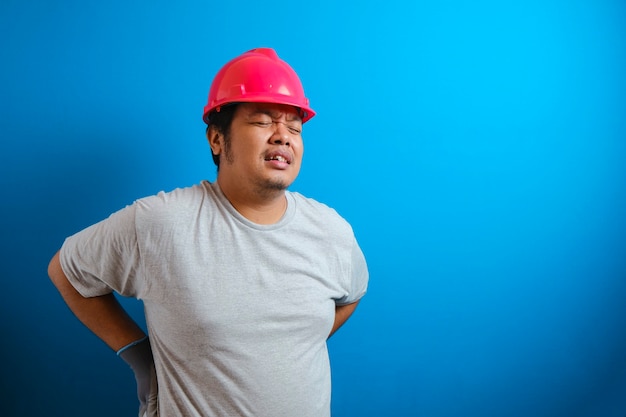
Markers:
{"x": 103, "y": 257}
{"x": 359, "y": 277}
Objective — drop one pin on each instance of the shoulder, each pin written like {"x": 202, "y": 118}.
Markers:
{"x": 321, "y": 214}
{"x": 177, "y": 196}
{"x": 177, "y": 202}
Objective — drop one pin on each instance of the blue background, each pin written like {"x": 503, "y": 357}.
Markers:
{"x": 477, "y": 147}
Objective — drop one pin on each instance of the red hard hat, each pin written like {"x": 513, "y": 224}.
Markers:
{"x": 257, "y": 76}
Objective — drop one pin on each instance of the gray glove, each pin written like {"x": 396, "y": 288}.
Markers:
{"x": 138, "y": 355}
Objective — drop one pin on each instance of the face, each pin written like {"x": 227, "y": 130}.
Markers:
{"x": 264, "y": 148}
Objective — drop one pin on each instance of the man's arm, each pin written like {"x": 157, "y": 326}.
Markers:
{"x": 103, "y": 315}
{"x": 342, "y": 313}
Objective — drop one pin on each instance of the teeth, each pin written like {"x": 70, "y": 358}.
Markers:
{"x": 278, "y": 158}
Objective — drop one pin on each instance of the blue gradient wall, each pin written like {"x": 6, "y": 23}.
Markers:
{"x": 478, "y": 149}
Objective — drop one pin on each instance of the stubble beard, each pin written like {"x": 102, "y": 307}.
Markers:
{"x": 270, "y": 187}
{"x": 264, "y": 187}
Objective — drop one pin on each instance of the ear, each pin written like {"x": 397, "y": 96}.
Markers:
{"x": 215, "y": 140}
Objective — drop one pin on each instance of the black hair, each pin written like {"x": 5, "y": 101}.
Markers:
{"x": 221, "y": 121}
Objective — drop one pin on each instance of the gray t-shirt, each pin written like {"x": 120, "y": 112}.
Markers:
{"x": 238, "y": 313}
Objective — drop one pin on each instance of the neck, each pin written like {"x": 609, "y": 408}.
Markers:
{"x": 266, "y": 207}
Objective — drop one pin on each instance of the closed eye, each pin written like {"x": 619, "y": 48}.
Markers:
{"x": 263, "y": 124}
{"x": 293, "y": 129}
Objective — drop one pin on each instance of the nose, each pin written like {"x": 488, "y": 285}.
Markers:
{"x": 281, "y": 134}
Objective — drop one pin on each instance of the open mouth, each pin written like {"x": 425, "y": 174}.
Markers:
{"x": 279, "y": 158}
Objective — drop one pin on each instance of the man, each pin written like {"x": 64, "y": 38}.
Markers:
{"x": 242, "y": 281}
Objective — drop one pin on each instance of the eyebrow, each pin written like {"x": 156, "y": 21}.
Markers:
{"x": 275, "y": 114}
